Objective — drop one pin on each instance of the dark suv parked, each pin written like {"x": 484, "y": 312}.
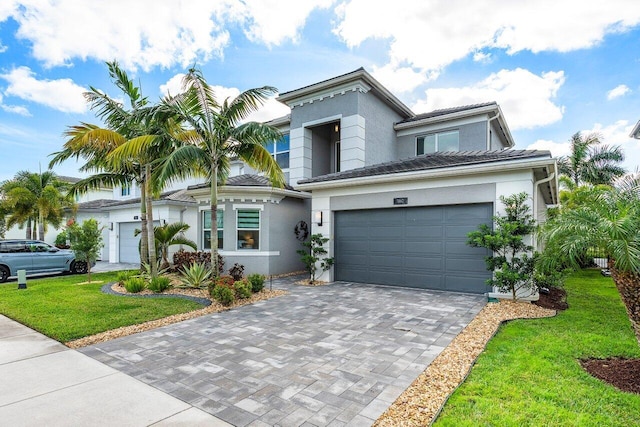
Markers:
{"x": 36, "y": 257}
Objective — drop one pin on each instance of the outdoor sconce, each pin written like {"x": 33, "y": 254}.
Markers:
{"x": 110, "y": 226}
{"x": 317, "y": 217}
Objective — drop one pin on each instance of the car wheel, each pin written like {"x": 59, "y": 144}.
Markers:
{"x": 79, "y": 267}
{"x": 4, "y": 274}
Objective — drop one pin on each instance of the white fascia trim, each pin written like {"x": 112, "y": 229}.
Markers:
{"x": 446, "y": 117}
{"x": 250, "y": 253}
{"x": 247, "y": 206}
{"x": 322, "y": 121}
{"x": 432, "y": 174}
{"x": 310, "y": 98}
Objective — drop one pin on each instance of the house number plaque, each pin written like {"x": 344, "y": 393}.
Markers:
{"x": 400, "y": 200}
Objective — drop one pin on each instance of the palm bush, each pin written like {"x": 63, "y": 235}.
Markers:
{"x": 134, "y": 284}
{"x": 159, "y": 284}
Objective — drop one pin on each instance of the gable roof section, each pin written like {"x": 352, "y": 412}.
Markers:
{"x": 446, "y": 114}
{"x": 345, "y": 82}
{"x": 245, "y": 180}
{"x": 447, "y": 159}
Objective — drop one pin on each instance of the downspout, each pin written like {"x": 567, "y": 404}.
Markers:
{"x": 551, "y": 176}
{"x": 489, "y": 130}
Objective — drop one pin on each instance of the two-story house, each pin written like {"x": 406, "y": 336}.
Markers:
{"x": 395, "y": 192}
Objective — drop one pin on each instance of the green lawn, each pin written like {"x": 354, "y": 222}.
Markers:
{"x": 530, "y": 375}
{"x": 62, "y": 309}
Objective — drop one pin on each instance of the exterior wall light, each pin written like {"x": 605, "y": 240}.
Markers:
{"x": 317, "y": 217}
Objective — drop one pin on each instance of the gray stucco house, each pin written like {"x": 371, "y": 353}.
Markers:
{"x": 395, "y": 192}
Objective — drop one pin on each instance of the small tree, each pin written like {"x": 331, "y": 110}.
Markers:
{"x": 314, "y": 256}
{"x": 86, "y": 242}
{"x": 510, "y": 263}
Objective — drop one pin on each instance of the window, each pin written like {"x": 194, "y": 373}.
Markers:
{"x": 248, "y": 227}
{"x": 125, "y": 190}
{"x": 280, "y": 151}
{"x": 445, "y": 141}
{"x": 206, "y": 229}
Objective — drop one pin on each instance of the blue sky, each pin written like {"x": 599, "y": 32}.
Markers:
{"x": 555, "y": 69}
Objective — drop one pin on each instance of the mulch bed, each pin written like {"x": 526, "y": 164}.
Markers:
{"x": 623, "y": 374}
{"x": 556, "y": 299}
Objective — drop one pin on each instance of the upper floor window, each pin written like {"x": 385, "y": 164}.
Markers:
{"x": 125, "y": 190}
{"x": 435, "y": 142}
{"x": 280, "y": 151}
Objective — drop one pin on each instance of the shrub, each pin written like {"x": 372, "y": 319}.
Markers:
{"x": 227, "y": 281}
{"x": 182, "y": 259}
{"x": 125, "y": 274}
{"x": 236, "y": 271}
{"x": 243, "y": 289}
{"x": 195, "y": 276}
{"x": 223, "y": 294}
{"x": 61, "y": 241}
{"x": 159, "y": 284}
{"x": 257, "y": 282}
{"x": 314, "y": 257}
{"x": 134, "y": 284}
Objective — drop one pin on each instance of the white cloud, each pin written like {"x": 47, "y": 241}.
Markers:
{"x": 63, "y": 94}
{"x": 16, "y": 109}
{"x": 429, "y": 35}
{"x": 618, "y": 91}
{"x": 271, "y": 109}
{"x": 526, "y": 99}
{"x": 400, "y": 79}
{"x": 173, "y": 86}
{"x": 149, "y": 33}
{"x": 482, "y": 57}
{"x": 616, "y": 133}
{"x": 274, "y": 21}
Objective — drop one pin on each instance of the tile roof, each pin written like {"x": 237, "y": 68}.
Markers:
{"x": 245, "y": 180}
{"x": 445, "y": 111}
{"x": 432, "y": 161}
{"x": 174, "y": 196}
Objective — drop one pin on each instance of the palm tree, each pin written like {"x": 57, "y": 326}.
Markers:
{"x": 214, "y": 133}
{"x": 37, "y": 199}
{"x": 590, "y": 162}
{"x": 96, "y": 145}
{"x": 609, "y": 221}
{"x": 169, "y": 235}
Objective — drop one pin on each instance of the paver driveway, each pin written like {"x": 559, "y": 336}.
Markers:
{"x": 328, "y": 355}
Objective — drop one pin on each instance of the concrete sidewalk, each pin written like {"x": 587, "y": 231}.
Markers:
{"x": 45, "y": 383}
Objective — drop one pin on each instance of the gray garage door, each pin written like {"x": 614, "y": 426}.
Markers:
{"x": 421, "y": 247}
{"x": 129, "y": 243}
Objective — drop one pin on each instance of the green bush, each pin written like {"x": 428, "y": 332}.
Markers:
{"x": 257, "y": 282}
{"x": 223, "y": 294}
{"x": 123, "y": 275}
{"x": 134, "y": 284}
{"x": 243, "y": 289}
{"x": 159, "y": 284}
{"x": 195, "y": 276}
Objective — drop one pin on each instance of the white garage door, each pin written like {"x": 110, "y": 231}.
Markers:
{"x": 129, "y": 243}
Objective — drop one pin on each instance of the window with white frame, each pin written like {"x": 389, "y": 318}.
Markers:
{"x": 206, "y": 228}
{"x": 248, "y": 227}
{"x": 280, "y": 152}
{"x": 436, "y": 142}
{"x": 125, "y": 190}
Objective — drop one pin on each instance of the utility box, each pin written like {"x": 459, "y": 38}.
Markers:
{"x": 22, "y": 279}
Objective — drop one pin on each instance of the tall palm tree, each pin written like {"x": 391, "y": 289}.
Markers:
{"x": 36, "y": 199}
{"x": 213, "y": 134}
{"x": 609, "y": 221}
{"x": 590, "y": 162}
{"x": 96, "y": 144}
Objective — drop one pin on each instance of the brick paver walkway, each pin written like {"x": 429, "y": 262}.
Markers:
{"x": 322, "y": 356}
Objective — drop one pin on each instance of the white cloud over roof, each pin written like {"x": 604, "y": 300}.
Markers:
{"x": 526, "y": 99}
{"x": 618, "y": 91}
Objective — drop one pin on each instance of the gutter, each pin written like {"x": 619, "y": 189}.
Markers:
{"x": 483, "y": 168}
{"x": 536, "y": 184}
{"x": 489, "y": 130}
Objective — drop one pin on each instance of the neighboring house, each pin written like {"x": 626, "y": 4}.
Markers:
{"x": 635, "y": 132}
{"x": 395, "y": 192}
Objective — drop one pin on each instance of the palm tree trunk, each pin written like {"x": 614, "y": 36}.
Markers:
{"x": 628, "y": 285}
{"x": 153, "y": 262}
{"x": 144, "y": 240}
{"x": 214, "y": 218}
{"x": 41, "y": 227}
{"x": 28, "y": 233}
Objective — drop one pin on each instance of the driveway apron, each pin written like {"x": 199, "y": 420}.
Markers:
{"x": 328, "y": 355}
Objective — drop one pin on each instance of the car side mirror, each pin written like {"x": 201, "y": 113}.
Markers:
{"x": 54, "y": 250}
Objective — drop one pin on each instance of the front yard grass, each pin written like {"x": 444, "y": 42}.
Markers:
{"x": 63, "y": 309}
{"x": 530, "y": 374}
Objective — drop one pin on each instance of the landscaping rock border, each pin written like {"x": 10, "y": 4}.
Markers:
{"x": 107, "y": 289}
{"x": 420, "y": 404}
